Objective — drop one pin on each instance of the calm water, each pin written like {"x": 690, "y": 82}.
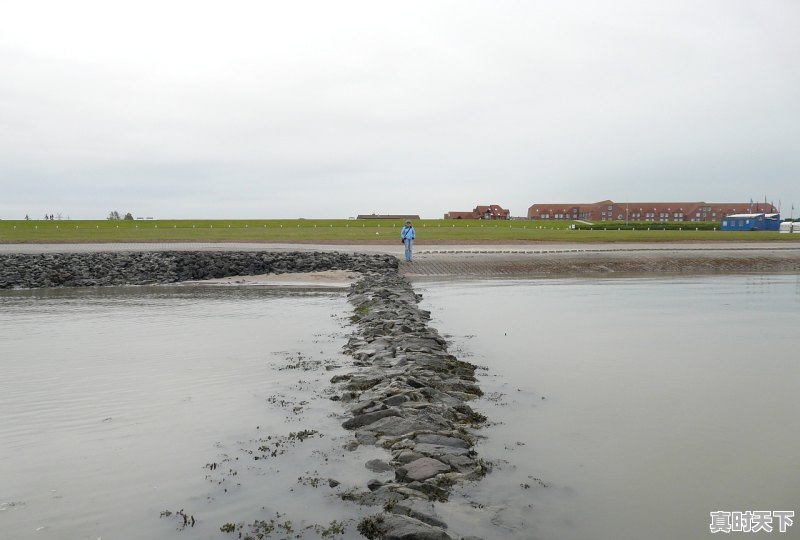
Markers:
{"x": 113, "y": 401}
{"x": 630, "y": 408}
{"x": 663, "y": 400}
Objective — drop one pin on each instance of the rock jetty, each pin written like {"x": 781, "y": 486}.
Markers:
{"x": 410, "y": 396}
{"x": 145, "y": 268}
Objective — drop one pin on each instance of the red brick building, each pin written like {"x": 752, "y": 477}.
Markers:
{"x": 492, "y": 211}
{"x": 645, "y": 211}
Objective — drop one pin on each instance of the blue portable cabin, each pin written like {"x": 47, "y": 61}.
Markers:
{"x": 751, "y": 222}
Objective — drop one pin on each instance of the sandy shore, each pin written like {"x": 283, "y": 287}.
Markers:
{"x": 327, "y": 280}
{"x": 621, "y": 261}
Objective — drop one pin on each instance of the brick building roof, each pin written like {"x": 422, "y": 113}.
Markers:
{"x": 490, "y": 211}
{"x": 645, "y": 211}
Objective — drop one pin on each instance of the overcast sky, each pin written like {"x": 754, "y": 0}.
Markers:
{"x": 266, "y": 109}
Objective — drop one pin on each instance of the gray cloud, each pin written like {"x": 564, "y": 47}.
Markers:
{"x": 186, "y": 109}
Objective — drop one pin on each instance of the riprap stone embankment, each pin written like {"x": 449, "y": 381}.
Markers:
{"x": 157, "y": 267}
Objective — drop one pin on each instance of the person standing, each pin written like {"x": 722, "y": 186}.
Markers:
{"x": 408, "y": 235}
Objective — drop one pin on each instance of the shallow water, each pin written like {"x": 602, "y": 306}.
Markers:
{"x": 629, "y": 408}
{"x": 117, "y": 401}
{"x": 664, "y": 399}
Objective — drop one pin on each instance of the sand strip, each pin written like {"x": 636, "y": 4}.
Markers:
{"x": 326, "y": 280}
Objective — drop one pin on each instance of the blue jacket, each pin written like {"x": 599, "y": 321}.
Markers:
{"x": 408, "y": 232}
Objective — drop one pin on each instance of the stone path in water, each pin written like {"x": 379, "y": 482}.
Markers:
{"x": 408, "y": 395}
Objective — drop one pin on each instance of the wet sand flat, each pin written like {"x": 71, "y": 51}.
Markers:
{"x": 327, "y": 280}
{"x": 607, "y": 260}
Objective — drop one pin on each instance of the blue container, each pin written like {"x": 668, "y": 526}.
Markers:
{"x": 751, "y": 222}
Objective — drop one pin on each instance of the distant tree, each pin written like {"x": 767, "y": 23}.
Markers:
{"x": 113, "y": 216}
{"x": 128, "y": 217}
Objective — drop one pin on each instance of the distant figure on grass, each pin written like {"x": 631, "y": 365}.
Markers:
{"x": 408, "y": 235}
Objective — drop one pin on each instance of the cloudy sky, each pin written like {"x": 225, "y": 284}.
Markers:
{"x": 267, "y": 109}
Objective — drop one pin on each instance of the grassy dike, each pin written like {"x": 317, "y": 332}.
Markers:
{"x": 356, "y": 232}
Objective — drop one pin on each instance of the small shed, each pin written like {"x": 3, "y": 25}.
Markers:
{"x": 751, "y": 222}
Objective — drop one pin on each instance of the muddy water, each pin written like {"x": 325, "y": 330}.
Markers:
{"x": 119, "y": 404}
{"x": 630, "y": 408}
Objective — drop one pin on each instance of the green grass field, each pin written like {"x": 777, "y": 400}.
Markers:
{"x": 352, "y": 231}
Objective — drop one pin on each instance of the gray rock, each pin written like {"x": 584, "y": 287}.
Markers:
{"x": 394, "y": 401}
{"x": 368, "y": 418}
{"x": 403, "y": 444}
{"x": 375, "y": 408}
{"x": 459, "y": 462}
{"x": 396, "y": 527}
{"x": 421, "y": 469}
{"x": 361, "y": 407}
{"x": 415, "y": 383}
{"x": 378, "y": 465}
{"x": 407, "y": 456}
{"x": 404, "y": 426}
{"x": 438, "y": 450}
{"x": 441, "y": 397}
{"x": 380, "y": 496}
{"x": 462, "y": 396}
{"x": 419, "y": 509}
{"x": 444, "y": 440}
{"x": 366, "y": 437}
{"x": 409, "y": 493}
{"x": 429, "y": 490}
{"x": 333, "y": 483}
{"x": 363, "y": 354}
